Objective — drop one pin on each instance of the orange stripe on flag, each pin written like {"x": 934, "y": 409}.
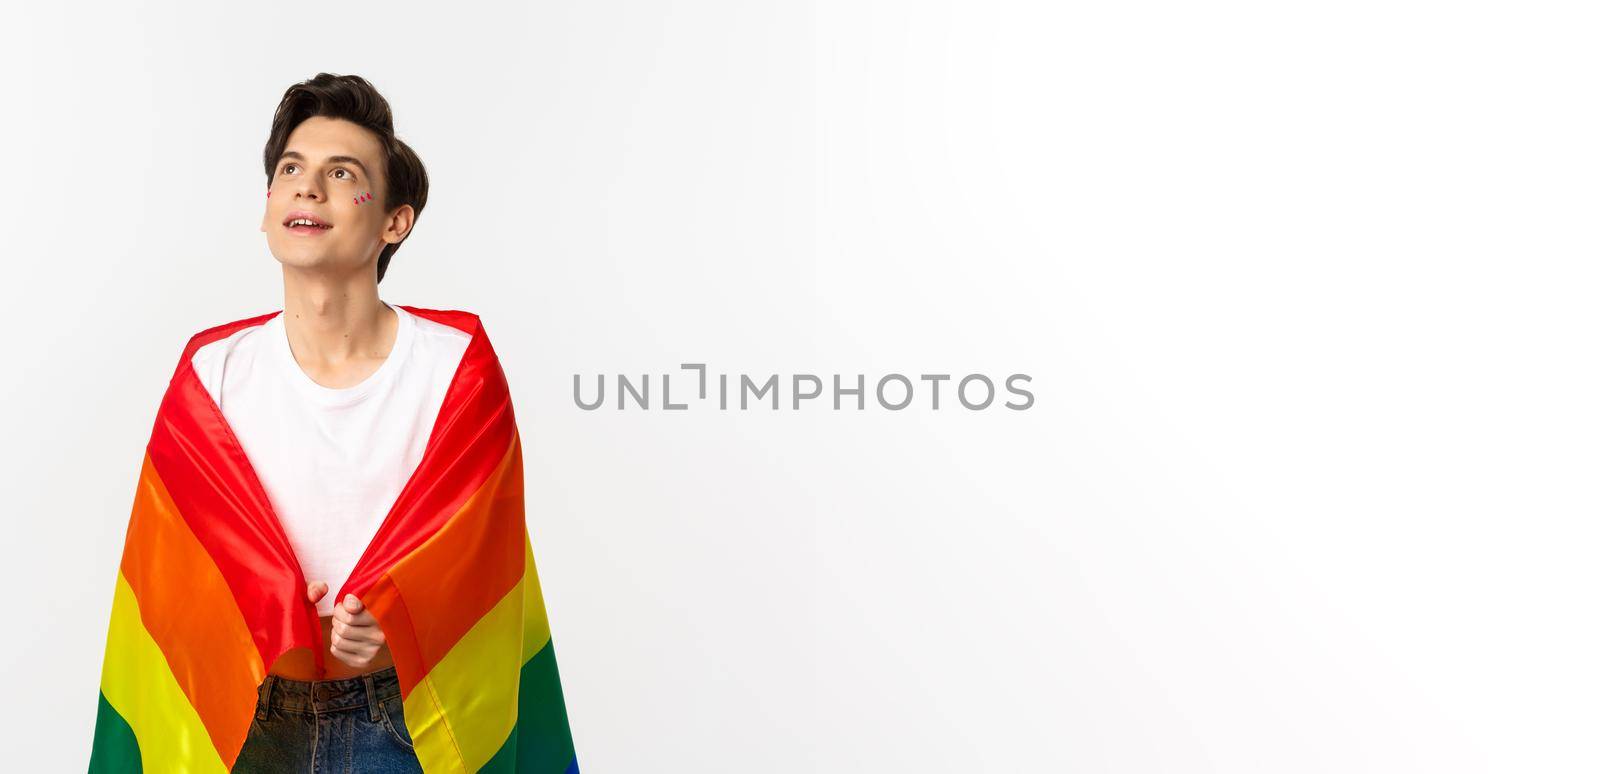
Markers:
{"x": 190, "y": 613}
{"x": 439, "y": 596}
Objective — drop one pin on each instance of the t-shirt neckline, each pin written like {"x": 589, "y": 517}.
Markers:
{"x": 344, "y": 396}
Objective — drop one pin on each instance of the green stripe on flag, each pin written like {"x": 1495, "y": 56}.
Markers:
{"x": 116, "y": 749}
{"x": 541, "y": 742}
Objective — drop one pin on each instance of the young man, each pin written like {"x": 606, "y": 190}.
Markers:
{"x": 333, "y": 401}
{"x": 345, "y": 445}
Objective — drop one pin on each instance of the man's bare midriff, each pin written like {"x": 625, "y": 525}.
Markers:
{"x": 300, "y": 663}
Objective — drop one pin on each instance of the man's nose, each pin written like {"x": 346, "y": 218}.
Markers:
{"x": 308, "y": 189}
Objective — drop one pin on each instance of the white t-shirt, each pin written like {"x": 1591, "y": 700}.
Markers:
{"x": 333, "y": 461}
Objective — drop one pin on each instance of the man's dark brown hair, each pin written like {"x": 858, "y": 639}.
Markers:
{"x": 352, "y": 98}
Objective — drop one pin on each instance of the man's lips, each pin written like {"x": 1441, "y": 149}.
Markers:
{"x": 302, "y": 222}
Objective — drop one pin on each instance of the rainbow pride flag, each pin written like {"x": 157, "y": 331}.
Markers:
{"x": 209, "y": 592}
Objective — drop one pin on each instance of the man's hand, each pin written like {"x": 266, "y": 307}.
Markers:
{"x": 356, "y": 636}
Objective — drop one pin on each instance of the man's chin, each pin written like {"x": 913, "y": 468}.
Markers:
{"x": 303, "y": 260}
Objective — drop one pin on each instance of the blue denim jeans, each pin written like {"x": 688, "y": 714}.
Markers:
{"x": 345, "y": 726}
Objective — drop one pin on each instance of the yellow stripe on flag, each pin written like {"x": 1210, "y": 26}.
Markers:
{"x": 140, "y": 687}
{"x": 467, "y": 705}
{"x": 535, "y": 622}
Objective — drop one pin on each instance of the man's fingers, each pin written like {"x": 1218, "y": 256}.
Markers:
{"x": 346, "y": 654}
{"x": 315, "y": 591}
{"x": 344, "y": 617}
{"x": 344, "y": 643}
{"x": 350, "y": 609}
{"x": 351, "y": 652}
{"x": 358, "y": 631}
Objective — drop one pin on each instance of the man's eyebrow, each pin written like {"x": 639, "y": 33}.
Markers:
{"x": 331, "y": 160}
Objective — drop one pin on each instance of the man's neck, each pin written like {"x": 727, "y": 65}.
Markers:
{"x": 338, "y": 328}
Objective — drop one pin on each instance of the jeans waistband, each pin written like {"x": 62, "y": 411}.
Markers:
{"x": 320, "y": 696}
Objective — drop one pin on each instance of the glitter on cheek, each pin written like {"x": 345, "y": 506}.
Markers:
{"x": 365, "y": 196}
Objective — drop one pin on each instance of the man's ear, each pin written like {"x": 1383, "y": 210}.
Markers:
{"x": 399, "y": 224}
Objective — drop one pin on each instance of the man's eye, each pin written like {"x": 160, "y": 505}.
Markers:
{"x": 343, "y": 174}
{"x": 290, "y": 168}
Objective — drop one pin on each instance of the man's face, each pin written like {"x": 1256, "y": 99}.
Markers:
{"x": 325, "y": 203}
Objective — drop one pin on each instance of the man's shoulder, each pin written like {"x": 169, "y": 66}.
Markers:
{"x": 458, "y": 319}
{"x": 224, "y": 330}
{"x": 216, "y": 334}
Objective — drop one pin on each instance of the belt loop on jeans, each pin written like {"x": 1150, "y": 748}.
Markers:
{"x": 264, "y": 697}
{"x": 372, "y": 696}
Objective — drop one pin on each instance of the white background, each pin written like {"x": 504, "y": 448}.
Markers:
{"x": 1307, "y": 292}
